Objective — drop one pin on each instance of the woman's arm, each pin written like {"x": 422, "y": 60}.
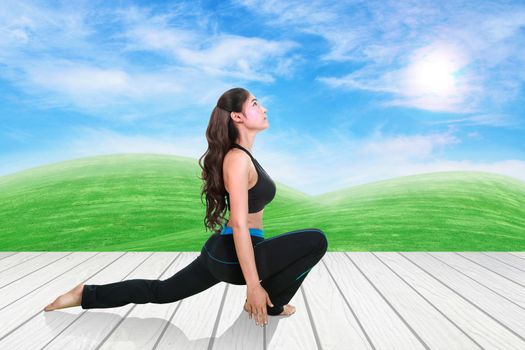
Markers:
{"x": 244, "y": 249}
{"x": 236, "y": 174}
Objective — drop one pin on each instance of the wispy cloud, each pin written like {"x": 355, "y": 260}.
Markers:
{"x": 228, "y": 55}
{"x": 426, "y": 82}
{"x": 87, "y": 141}
{"x": 314, "y": 167}
{"x": 402, "y": 147}
{"x": 15, "y": 134}
{"x": 436, "y": 56}
{"x": 497, "y": 120}
{"x": 82, "y": 69}
{"x": 342, "y": 161}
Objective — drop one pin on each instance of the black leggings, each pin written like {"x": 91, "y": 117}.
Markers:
{"x": 282, "y": 262}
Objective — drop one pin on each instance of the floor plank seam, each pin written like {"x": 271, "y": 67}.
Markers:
{"x": 310, "y": 317}
{"x": 466, "y": 299}
{"x": 132, "y": 307}
{"x": 430, "y": 303}
{"x": 20, "y": 263}
{"x": 502, "y": 261}
{"x": 361, "y": 327}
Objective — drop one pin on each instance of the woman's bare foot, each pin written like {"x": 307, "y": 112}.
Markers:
{"x": 287, "y": 309}
{"x": 69, "y": 299}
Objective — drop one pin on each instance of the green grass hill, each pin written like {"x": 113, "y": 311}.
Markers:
{"x": 148, "y": 202}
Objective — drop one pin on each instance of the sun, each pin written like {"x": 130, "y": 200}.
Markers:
{"x": 432, "y": 73}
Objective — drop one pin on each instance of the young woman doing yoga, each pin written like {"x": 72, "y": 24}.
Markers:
{"x": 237, "y": 252}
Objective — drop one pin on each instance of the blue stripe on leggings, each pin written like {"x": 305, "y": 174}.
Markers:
{"x": 303, "y": 273}
{"x": 228, "y": 230}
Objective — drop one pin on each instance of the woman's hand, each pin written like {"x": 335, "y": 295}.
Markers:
{"x": 256, "y": 300}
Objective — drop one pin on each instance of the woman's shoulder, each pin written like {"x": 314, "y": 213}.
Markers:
{"x": 237, "y": 160}
{"x": 236, "y": 155}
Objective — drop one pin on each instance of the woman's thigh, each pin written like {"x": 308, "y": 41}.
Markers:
{"x": 271, "y": 255}
{"x": 220, "y": 256}
{"x": 276, "y": 253}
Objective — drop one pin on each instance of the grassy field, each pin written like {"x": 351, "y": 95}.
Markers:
{"x": 145, "y": 202}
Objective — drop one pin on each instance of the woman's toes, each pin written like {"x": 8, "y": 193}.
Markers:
{"x": 49, "y": 307}
{"x": 288, "y": 310}
{"x": 65, "y": 300}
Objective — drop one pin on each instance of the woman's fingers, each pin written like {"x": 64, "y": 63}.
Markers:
{"x": 262, "y": 317}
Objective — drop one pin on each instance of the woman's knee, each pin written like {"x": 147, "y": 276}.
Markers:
{"x": 323, "y": 240}
{"x": 319, "y": 239}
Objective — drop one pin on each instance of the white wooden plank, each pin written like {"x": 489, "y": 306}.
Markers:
{"x": 507, "y": 258}
{"x": 434, "y": 330}
{"x": 93, "y": 325}
{"x": 146, "y": 323}
{"x": 31, "y": 267}
{"x": 497, "y": 307}
{"x": 333, "y": 319}
{"x": 12, "y": 260}
{"x": 383, "y": 327}
{"x": 486, "y": 332}
{"x": 27, "y": 286}
{"x": 192, "y": 324}
{"x": 6, "y": 254}
{"x": 291, "y": 332}
{"x": 492, "y": 329}
{"x": 496, "y": 266}
{"x": 235, "y": 330}
{"x": 16, "y": 316}
{"x": 490, "y": 280}
{"x": 519, "y": 254}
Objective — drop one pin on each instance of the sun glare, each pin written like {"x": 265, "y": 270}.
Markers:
{"x": 432, "y": 74}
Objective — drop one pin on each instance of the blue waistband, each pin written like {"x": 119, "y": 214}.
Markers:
{"x": 227, "y": 230}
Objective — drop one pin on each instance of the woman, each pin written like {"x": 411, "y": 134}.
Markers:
{"x": 237, "y": 252}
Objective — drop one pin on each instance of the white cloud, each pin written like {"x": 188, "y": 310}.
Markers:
{"x": 26, "y": 26}
{"x": 217, "y": 54}
{"x": 297, "y": 160}
{"x": 16, "y": 134}
{"x": 317, "y": 166}
{"x": 393, "y": 149}
{"x": 73, "y": 78}
{"x": 428, "y": 81}
{"x": 481, "y": 43}
{"x": 62, "y": 59}
{"x": 474, "y": 135}
{"x": 487, "y": 119}
{"x": 89, "y": 141}
{"x": 117, "y": 94}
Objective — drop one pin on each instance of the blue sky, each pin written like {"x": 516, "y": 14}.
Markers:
{"x": 355, "y": 92}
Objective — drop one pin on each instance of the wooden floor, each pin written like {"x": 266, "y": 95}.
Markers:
{"x": 365, "y": 300}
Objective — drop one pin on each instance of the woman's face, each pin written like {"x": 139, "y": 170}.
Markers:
{"x": 255, "y": 114}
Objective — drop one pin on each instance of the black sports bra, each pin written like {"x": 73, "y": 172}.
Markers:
{"x": 262, "y": 192}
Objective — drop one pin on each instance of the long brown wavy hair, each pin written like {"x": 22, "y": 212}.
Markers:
{"x": 221, "y": 134}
